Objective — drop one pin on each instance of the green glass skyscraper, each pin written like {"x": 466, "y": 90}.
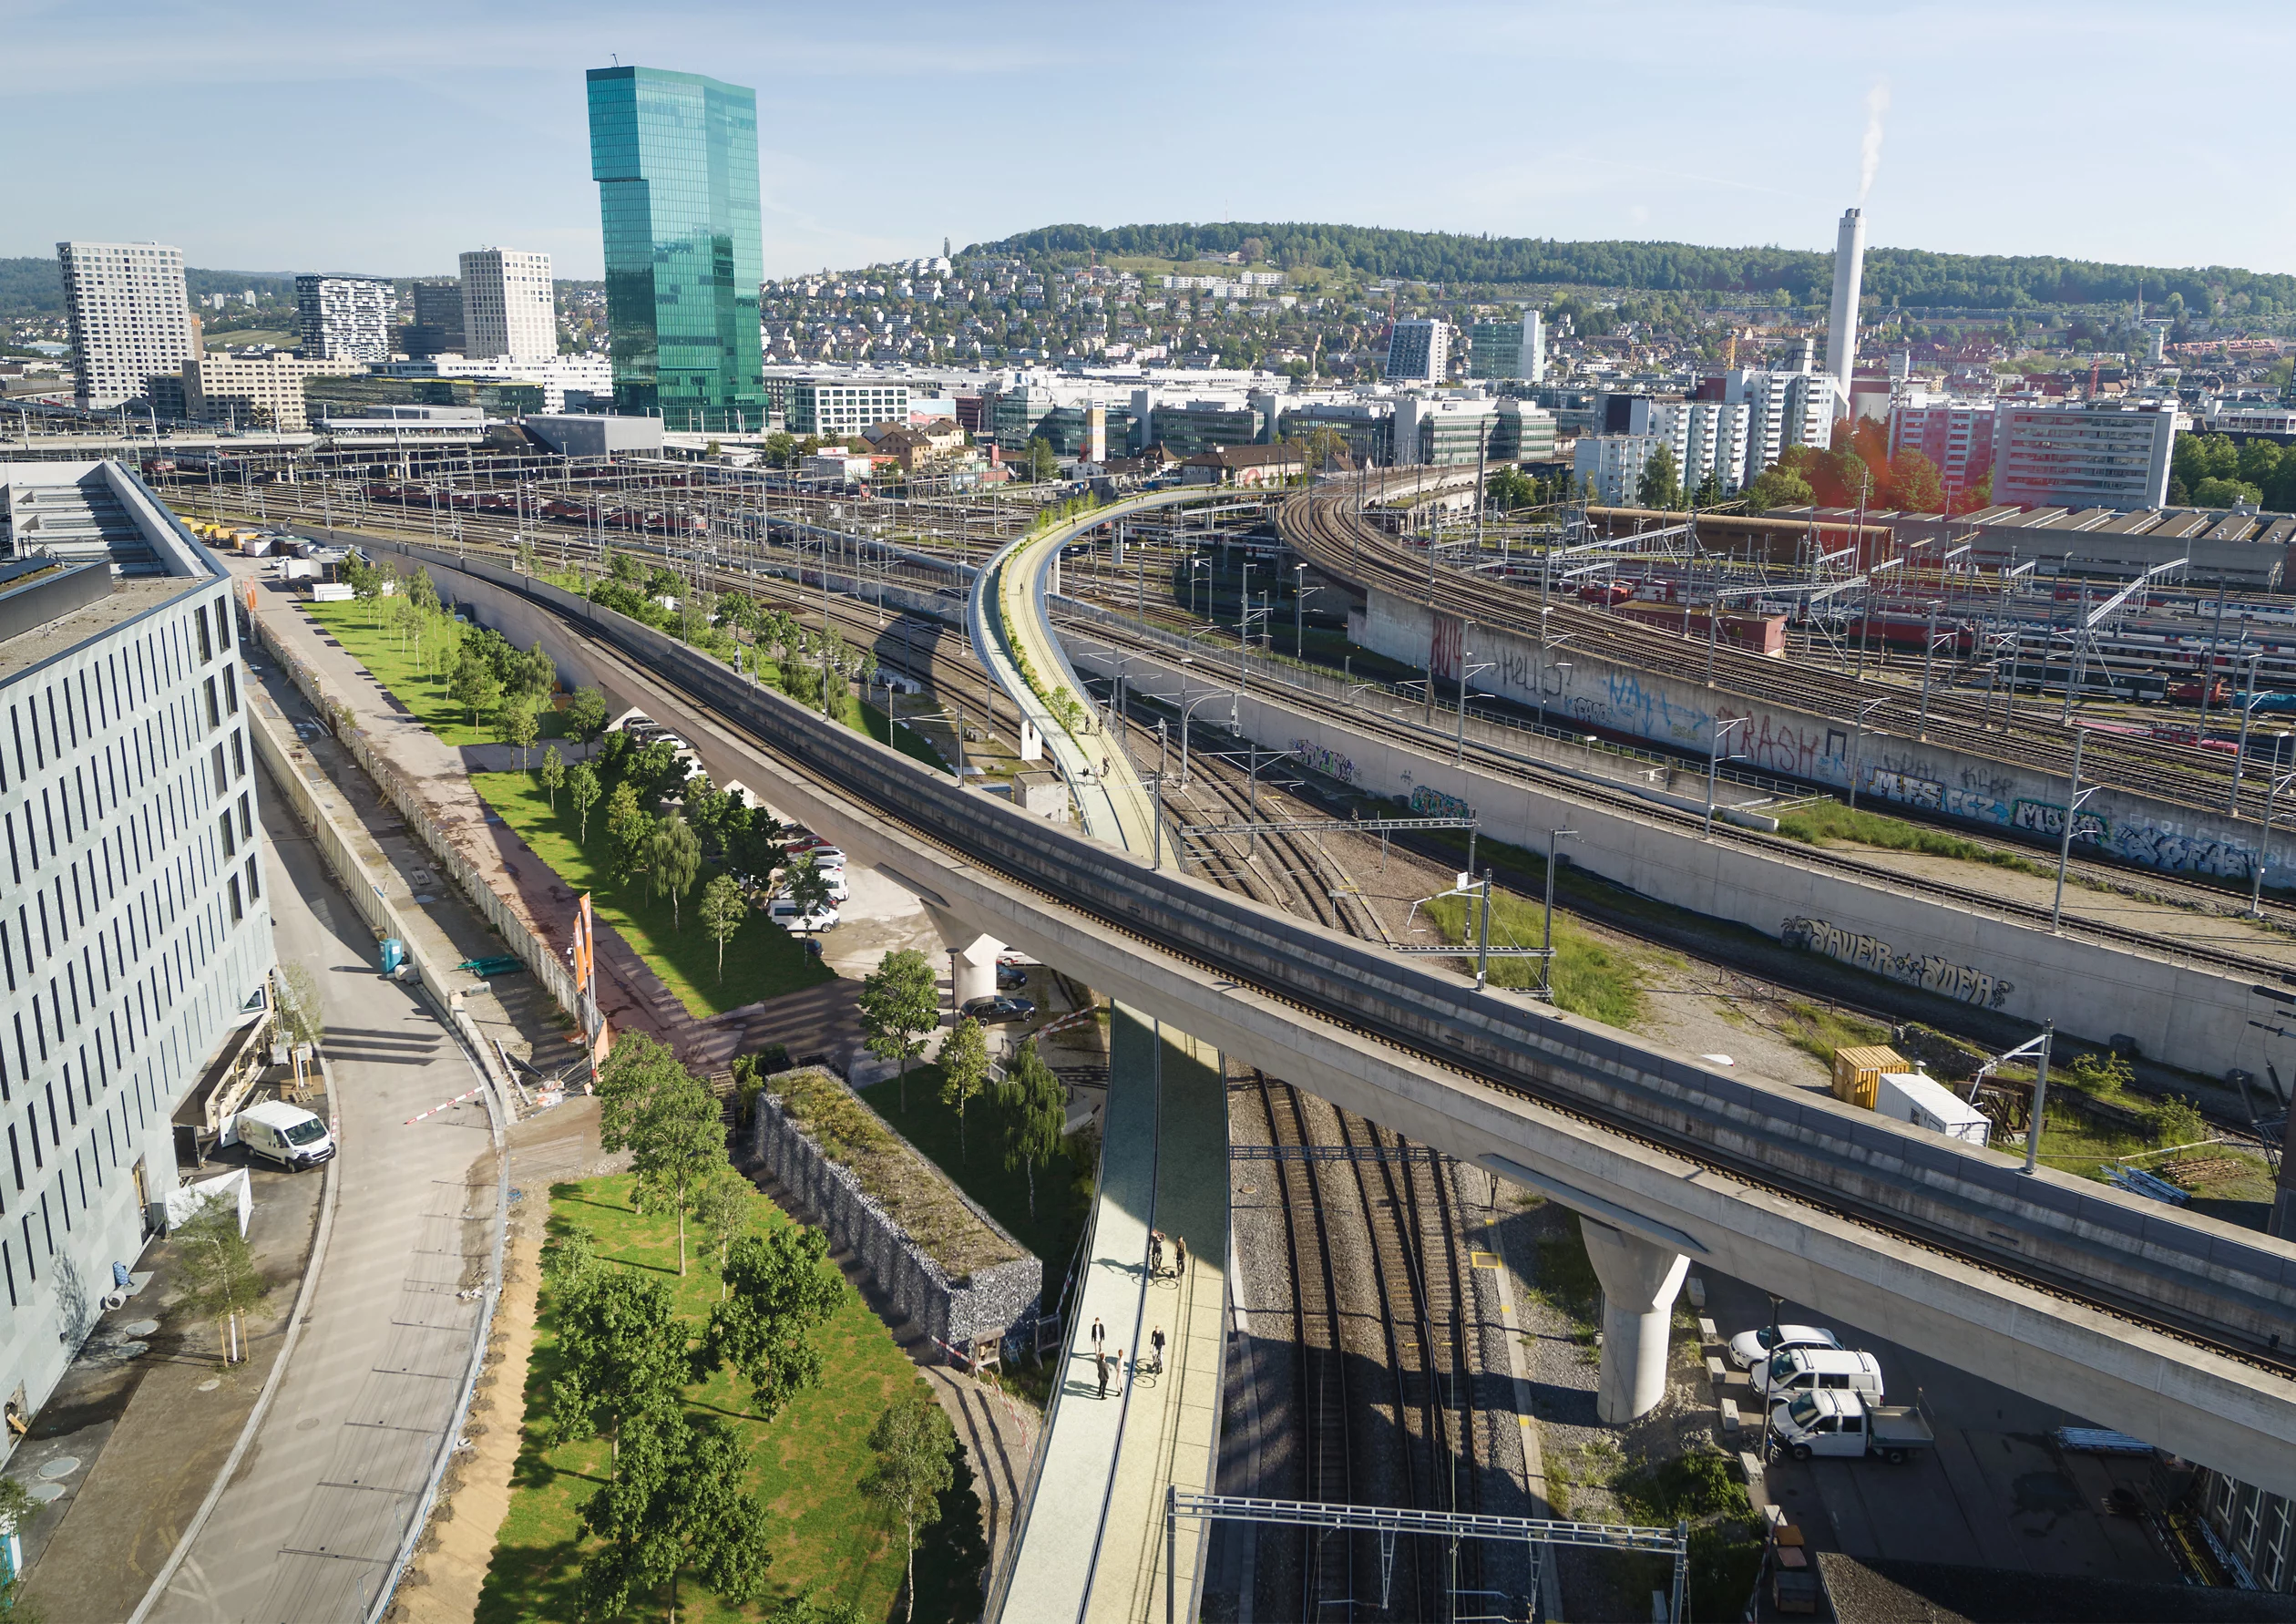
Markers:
{"x": 675, "y": 159}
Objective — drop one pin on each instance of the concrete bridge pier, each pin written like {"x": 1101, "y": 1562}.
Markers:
{"x": 1639, "y": 1281}
{"x": 972, "y": 957}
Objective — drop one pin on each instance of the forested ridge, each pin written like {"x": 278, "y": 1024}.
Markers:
{"x": 1907, "y": 276}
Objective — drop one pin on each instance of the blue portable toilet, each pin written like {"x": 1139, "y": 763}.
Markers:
{"x": 393, "y": 954}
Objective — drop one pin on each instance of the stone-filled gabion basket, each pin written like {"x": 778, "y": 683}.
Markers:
{"x": 970, "y": 1282}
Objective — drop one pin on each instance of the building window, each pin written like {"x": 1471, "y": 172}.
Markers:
{"x": 237, "y": 912}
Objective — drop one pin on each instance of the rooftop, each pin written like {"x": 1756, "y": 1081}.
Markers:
{"x": 84, "y": 547}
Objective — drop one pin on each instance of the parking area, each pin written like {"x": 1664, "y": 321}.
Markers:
{"x": 1996, "y": 1491}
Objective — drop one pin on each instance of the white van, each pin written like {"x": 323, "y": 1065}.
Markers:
{"x": 786, "y": 913}
{"x": 284, "y": 1134}
{"x": 1793, "y": 1370}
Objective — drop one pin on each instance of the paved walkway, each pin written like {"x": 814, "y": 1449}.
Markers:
{"x": 309, "y": 1527}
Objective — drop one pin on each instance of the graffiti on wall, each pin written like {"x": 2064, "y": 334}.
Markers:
{"x": 1932, "y": 972}
{"x": 1434, "y": 803}
{"x": 1324, "y": 759}
{"x": 1443, "y": 651}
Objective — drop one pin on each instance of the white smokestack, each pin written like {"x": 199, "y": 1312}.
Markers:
{"x": 1842, "y": 331}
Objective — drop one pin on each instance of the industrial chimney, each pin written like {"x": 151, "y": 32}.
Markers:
{"x": 1842, "y": 332}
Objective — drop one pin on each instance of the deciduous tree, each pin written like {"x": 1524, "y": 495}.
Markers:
{"x": 912, "y": 1442}
{"x": 964, "y": 1066}
{"x": 673, "y": 858}
{"x": 629, "y": 832}
{"x": 517, "y": 726}
{"x": 221, "y": 1281}
{"x": 583, "y": 789}
{"x": 622, "y": 1352}
{"x": 678, "y": 1502}
{"x": 586, "y": 715}
{"x": 900, "y": 1002}
{"x": 651, "y": 1105}
{"x": 780, "y": 1290}
{"x": 553, "y": 775}
{"x": 1034, "y": 1107}
{"x": 725, "y": 905}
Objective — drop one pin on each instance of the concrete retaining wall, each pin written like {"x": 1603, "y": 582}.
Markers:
{"x": 2185, "y": 1015}
{"x": 1683, "y": 712}
{"x": 999, "y": 1302}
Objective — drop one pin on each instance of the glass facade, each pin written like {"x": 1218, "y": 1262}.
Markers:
{"x": 675, "y": 159}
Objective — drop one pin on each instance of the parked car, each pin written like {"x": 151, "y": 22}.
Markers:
{"x": 1793, "y": 1370}
{"x": 1749, "y": 1348}
{"x": 1010, "y": 977}
{"x": 284, "y": 1134}
{"x": 1842, "y": 1423}
{"x": 993, "y": 1010}
{"x": 789, "y": 916}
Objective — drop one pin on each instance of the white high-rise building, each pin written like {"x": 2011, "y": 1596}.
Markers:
{"x": 507, "y": 305}
{"x": 1534, "y": 348}
{"x": 344, "y": 318}
{"x": 1784, "y": 408}
{"x": 1610, "y": 466}
{"x": 1709, "y": 437}
{"x": 1841, "y": 329}
{"x": 1420, "y": 352}
{"x": 127, "y": 316}
{"x": 2093, "y": 454}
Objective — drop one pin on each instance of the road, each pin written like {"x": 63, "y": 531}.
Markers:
{"x": 310, "y": 1526}
{"x": 1996, "y": 1492}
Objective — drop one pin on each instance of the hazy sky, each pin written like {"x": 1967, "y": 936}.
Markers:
{"x": 269, "y": 137}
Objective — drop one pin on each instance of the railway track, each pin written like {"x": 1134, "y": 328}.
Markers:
{"x": 1323, "y": 527}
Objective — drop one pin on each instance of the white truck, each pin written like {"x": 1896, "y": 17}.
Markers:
{"x": 1847, "y": 1424}
{"x": 1925, "y": 1103}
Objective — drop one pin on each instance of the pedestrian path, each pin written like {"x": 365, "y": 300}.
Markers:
{"x": 1090, "y": 1539}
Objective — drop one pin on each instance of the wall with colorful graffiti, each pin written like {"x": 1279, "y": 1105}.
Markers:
{"x": 1933, "y": 972}
{"x": 1574, "y": 687}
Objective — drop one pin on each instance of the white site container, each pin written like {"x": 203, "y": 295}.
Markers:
{"x": 1907, "y": 1096}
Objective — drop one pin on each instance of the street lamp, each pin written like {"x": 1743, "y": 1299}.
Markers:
{"x": 1714, "y": 760}
{"x": 1196, "y": 564}
{"x": 1857, "y": 747}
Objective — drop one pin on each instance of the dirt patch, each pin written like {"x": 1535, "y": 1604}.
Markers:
{"x": 442, "y": 1585}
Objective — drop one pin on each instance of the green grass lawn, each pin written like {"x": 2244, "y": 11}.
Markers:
{"x": 392, "y": 662}
{"x": 1064, "y": 1192}
{"x": 1832, "y": 820}
{"x": 762, "y": 960}
{"x": 1590, "y": 978}
{"x": 807, "y": 1463}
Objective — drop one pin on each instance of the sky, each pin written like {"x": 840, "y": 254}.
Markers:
{"x": 261, "y": 136}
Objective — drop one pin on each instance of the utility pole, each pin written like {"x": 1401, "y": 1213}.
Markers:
{"x": 1546, "y": 962}
{"x": 2040, "y": 1091}
{"x": 1482, "y": 938}
{"x": 2073, "y": 796}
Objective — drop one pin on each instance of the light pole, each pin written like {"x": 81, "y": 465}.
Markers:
{"x": 2074, "y": 796}
{"x": 1196, "y": 564}
{"x": 1299, "y": 613}
{"x": 2264, "y": 845}
{"x": 1467, "y": 668}
{"x": 1546, "y": 962}
{"x": 1857, "y": 747}
{"x": 2040, "y": 1092}
{"x": 1714, "y": 760}
{"x": 2240, "y": 751}
{"x": 1187, "y": 709}
{"x": 1162, "y": 745}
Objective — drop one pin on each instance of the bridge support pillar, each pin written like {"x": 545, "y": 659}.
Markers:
{"x": 1639, "y": 1280}
{"x": 972, "y": 957}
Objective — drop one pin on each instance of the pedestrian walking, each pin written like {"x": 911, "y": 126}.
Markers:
{"x": 1156, "y": 1343}
{"x": 1180, "y": 1254}
{"x": 1155, "y": 1253}
{"x": 1100, "y": 1337}
{"x": 1100, "y": 1361}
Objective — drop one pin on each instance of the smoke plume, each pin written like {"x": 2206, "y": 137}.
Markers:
{"x": 1870, "y": 155}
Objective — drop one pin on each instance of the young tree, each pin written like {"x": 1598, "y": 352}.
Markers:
{"x": 722, "y": 1209}
{"x": 1661, "y": 485}
{"x": 679, "y": 1500}
{"x": 621, "y": 1350}
{"x": 1034, "y": 1106}
{"x": 221, "y": 1281}
{"x": 475, "y": 685}
{"x": 913, "y": 1440}
{"x": 583, "y": 789}
{"x": 651, "y": 1105}
{"x": 553, "y": 775}
{"x": 780, "y": 1290}
{"x": 809, "y": 1609}
{"x": 964, "y": 1063}
{"x": 900, "y": 1002}
{"x": 586, "y": 715}
{"x": 629, "y": 832}
{"x": 517, "y": 727}
{"x": 806, "y": 883}
{"x": 673, "y": 858}
{"x": 301, "y": 1015}
{"x": 723, "y": 907}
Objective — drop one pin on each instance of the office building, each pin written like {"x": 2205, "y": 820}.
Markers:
{"x": 344, "y": 318}
{"x": 675, "y": 159}
{"x": 126, "y": 316}
{"x": 1709, "y": 438}
{"x": 437, "y": 326}
{"x": 834, "y": 409}
{"x": 1954, "y": 431}
{"x": 1609, "y": 467}
{"x": 1848, "y": 280}
{"x": 1460, "y": 430}
{"x": 255, "y": 391}
{"x": 1533, "y": 361}
{"x": 1186, "y": 428}
{"x": 136, "y": 943}
{"x": 1508, "y": 349}
{"x": 508, "y": 309}
{"x": 2098, "y": 454}
{"x": 1420, "y": 352}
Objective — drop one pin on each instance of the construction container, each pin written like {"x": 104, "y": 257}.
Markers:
{"x": 1924, "y": 1102}
{"x": 1857, "y": 1072}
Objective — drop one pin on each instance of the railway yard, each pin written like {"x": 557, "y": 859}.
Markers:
{"x": 1377, "y": 1366}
